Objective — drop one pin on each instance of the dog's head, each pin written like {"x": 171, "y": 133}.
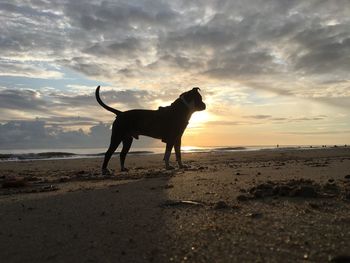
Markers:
{"x": 193, "y": 100}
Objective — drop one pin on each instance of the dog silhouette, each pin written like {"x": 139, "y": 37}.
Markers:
{"x": 166, "y": 123}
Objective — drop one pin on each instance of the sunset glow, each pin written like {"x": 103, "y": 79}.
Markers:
{"x": 198, "y": 119}
{"x": 270, "y": 72}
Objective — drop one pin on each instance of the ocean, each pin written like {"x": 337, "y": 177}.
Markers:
{"x": 73, "y": 153}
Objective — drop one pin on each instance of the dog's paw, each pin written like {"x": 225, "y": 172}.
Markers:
{"x": 124, "y": 169}
{"x": 169, "y": 167}
{"x": 107, "y": 172}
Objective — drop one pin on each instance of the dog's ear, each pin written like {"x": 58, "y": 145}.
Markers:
{"x": 196, "y": 89}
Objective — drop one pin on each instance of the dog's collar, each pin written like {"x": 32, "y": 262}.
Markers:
{"x": 185, "y": 102}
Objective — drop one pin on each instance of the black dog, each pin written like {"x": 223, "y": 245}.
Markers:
{"x": 166, "y": 123}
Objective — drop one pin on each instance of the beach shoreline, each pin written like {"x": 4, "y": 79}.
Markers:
{"x": 18, "y": 155}
{"x": 247, "y": 206}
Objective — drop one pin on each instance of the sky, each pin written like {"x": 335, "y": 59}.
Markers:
{"x": 270, "y": 71}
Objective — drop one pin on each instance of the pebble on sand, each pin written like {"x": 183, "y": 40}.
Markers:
{"x": 221, "y": 205}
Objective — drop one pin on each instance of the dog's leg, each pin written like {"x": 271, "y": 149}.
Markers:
{"x": 115, "y": 141}
{"x": 113, "y": 146}
{"x": 169, "y": 147}
{"x": 177, "y": 147}
{"x": 126, "y": 147}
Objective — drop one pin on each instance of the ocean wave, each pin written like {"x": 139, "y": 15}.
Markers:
{"x": 97, "y": 153}
{"x": 35, "y": 156}
{"x": 228, "y": 149}
{"x": 57, "y": 155}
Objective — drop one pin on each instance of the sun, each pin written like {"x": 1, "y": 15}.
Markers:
{"x": 199, "y": 118}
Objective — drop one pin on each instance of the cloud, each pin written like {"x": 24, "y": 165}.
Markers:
{"x": 228, "y": 123}
{"x": 220, "y": 40}
{"x": 259, "y": 116}
{"x": 121, "y": 49}
{"x": 326, "y": 49}
{"x": 69, "y": 121}
{"x": 31, "y": 32}
{"x": 313, "y": 133}
{"x": 40, "y": 134}
{"x": 76, "y": 107}
{"x": 298, "y": 119}
{"x": 120, "y": 15}
{"x": 29, "y": 70}
{"x": 127, "y": 98}
{"x": 265, "y": 119}
{"x": 23, "y": 100}
{"x": 152, "y": 50}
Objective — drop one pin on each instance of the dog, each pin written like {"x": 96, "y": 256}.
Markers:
{"x": 166, "y": 123}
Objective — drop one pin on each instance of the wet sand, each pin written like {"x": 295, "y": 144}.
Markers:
{"x": 259, "y": 206}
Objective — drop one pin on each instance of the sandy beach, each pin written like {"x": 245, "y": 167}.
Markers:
{"x": 257, "y": 206}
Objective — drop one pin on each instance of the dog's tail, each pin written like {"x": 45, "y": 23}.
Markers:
{"x": 97, "y": 94}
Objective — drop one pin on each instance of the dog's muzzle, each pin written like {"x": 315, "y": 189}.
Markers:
{"x": 201, "y": 106}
